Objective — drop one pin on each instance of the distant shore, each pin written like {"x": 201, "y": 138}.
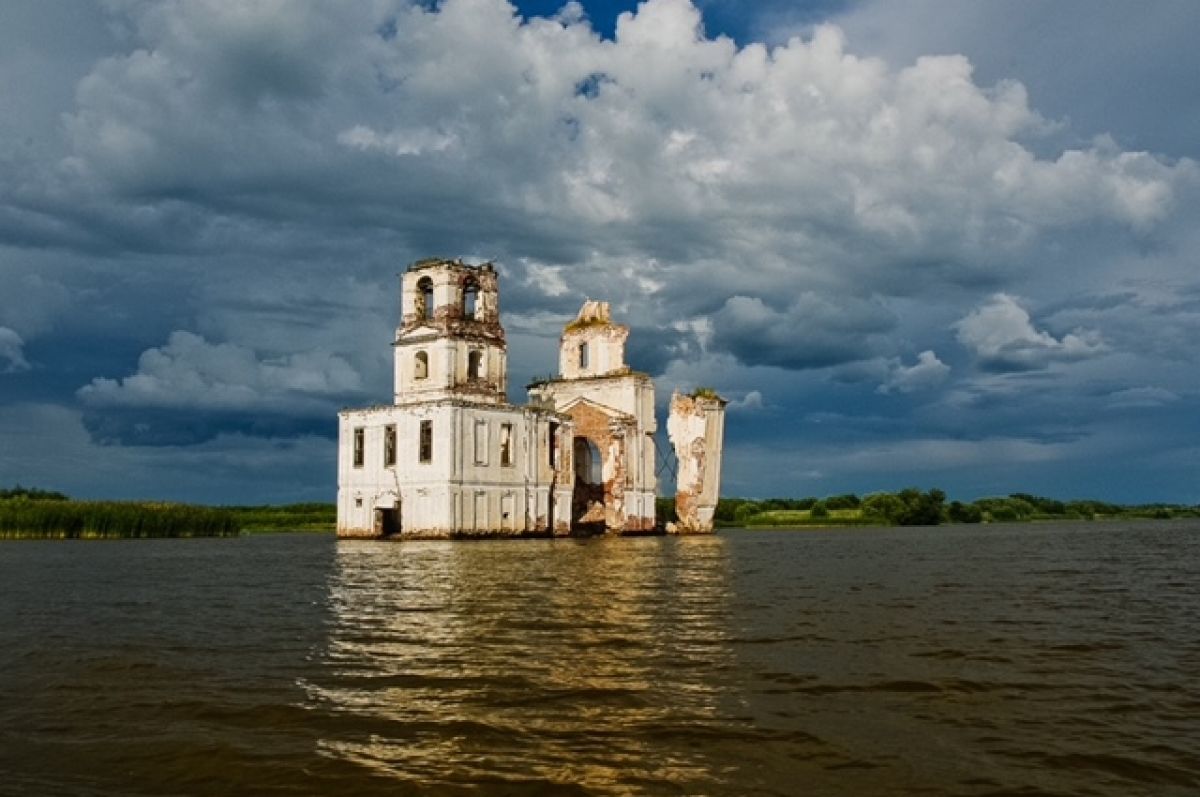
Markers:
{"x": 40, "y": 514}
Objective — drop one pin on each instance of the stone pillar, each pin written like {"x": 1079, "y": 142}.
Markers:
{"x": 696, "y": 428}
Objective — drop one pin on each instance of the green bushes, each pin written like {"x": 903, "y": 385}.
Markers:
{"x": 22, "y": 517}
{"x": 912, "y": 507}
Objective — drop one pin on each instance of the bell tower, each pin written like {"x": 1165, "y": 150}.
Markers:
{"x": 450, "y": 343}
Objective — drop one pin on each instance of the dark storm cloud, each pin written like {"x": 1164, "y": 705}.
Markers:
{"x": 157, "y": 427}
{"x": 811, "y": 333}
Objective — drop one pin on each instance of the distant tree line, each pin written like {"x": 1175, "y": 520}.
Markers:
{"x": 914, "y": 507}
{"x": 31, "y": 494}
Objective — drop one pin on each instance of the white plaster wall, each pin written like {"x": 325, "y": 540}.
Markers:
{"x": 454, "y": 492}
{"x": 606, "y": 350}
{"x": 448, "y": 359}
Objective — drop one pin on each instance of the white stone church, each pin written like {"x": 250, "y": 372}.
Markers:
{"x": 450, "y": 457}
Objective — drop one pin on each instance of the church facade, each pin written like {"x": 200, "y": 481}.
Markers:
{"x": 450, "y": 457}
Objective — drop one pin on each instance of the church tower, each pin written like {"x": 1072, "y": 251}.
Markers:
{"x": 450, "y": 344}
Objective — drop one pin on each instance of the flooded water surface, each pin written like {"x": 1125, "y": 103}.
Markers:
{"x": 1021, "y": 660}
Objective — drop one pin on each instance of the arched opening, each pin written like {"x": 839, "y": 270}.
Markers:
{"x": 425, "y": 298}
{"x": 470, "y": 298}
{"x": 587, "y": 498}
{"x": 583, "y": 355}
{"x": 474, "y": 364}
{"x": 421, "y": 366}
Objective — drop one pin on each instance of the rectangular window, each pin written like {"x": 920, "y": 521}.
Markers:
{"x": 506, "y": 444}
{"x": 389, "y": 446}
{"x": 553, "y": 450}
{"x": 481, "y": 435}
{"x": 359, "y": 446}
{"x": 426, "y": 441}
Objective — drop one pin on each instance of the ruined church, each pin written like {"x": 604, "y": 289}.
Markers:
{"x": 450, "y": 457}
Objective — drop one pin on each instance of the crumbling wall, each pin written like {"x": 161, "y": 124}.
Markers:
{"x": 696, "y": 428}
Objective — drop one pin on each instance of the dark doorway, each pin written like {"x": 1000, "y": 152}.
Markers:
{"x": 387, "y": 522}
{"x": 587, "y": 498}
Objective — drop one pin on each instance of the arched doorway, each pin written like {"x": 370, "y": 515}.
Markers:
{"x": 587, "y": 498}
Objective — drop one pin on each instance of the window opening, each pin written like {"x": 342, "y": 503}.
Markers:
{"x": 470, "y": 299}
{"x": 426, "y": 448}
{"x": 359, "y": 446}
{"x": 421, "y": 365}
{"x": 588, "y": 463}
{"x": 553, "y": 444}
{"x": 583, "y": 355}
{"x": 425, "y": 298}
{"x": 506, "y": 444}
{"x": 389, "y": 446}
{"x": 474, "y": 361}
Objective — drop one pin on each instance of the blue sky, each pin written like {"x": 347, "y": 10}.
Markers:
{"x": 922, "y": 243}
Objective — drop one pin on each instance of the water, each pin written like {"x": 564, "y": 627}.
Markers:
{"x": 1022, "y": 660}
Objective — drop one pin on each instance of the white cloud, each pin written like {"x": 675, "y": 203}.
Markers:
{"x": 1002, "y": 337}
{"x": 927, "y": 372}
{"x": 12, "y": 356}
{"x": 733, "y": 149}
{"x": 546, "y": 279}
{"x": 751, "y": 402}
{"x": 190, "y": 372}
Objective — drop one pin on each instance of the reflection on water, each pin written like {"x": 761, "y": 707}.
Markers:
{"x": 566, "y": 663}
{"x": 1028, "y": 660}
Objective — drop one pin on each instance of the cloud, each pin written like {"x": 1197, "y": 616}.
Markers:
{"x": 927, "y": 372}
{"x": 1001, "y": 336}
{"x": 12, "y": 356}
{"x": 813, "y": 332}
{"x": 191, "y": 373}
{"x": 1142, "y": 398}
{"x": 191, "y": 390}
{"x": 714, "y": 145}
{"x": 751, "y": 402}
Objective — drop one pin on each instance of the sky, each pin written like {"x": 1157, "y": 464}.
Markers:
{"x": 915, "y": 243}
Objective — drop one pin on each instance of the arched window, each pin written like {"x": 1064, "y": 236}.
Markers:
{"x": 425, "y": 298}
{"x": 588, "y": 463}
{"x": 470, "y": 298}
{"x": 583, "y": 355}
{"x": 421, "y": 366}
{"x": 474, "y": 364}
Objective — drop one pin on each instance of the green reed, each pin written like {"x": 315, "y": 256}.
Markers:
{"x": 112, "y": 520}
{"x": 289, "y": 517}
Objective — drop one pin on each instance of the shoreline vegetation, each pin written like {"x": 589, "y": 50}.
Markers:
{"x": 912, "y": 507}
{"x": 31, "y": 513}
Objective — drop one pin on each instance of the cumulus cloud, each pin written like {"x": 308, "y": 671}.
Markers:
{"x": 191, "y": 373}
{"x": 537, "y": 121}
{"x": 12, "y": 355}
{"x": 191, "y": 390}
{"x": 1002, "y": 337}
{"x": 927, "y": 372}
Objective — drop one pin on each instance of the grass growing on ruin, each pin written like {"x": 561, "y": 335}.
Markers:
{"x": 21, "y": 518}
